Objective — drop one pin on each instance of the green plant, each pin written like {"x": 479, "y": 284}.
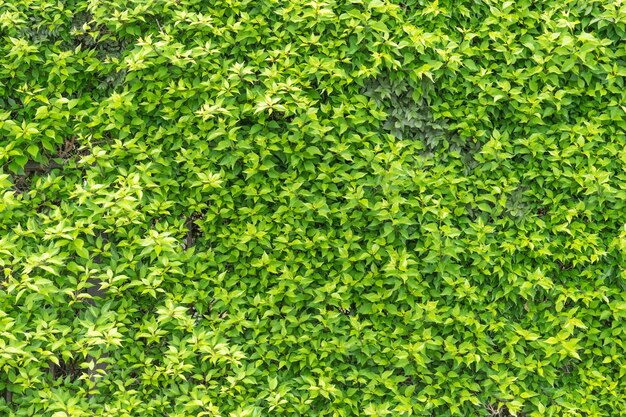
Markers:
{"x": 364, "y": 207}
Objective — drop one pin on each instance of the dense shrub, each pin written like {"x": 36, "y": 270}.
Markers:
{"x": 318, "y": 208}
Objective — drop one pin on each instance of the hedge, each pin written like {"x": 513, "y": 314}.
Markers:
{"x": 312, "y": 208}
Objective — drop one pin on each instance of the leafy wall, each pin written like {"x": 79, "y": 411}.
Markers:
{"x": 318, "y": 208}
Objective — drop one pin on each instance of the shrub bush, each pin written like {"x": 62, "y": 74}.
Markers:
{"x": 318, "y": 208}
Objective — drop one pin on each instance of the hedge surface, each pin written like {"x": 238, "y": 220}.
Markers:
{"x": 312, "y": 208}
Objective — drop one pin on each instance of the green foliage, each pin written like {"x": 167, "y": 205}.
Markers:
{"x": 318, "y": 208}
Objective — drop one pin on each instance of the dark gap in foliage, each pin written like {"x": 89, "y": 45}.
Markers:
{"x": 519, "y": 208}
{"x": 195, "y": 313}
{"x": 84, "y": 32}
{"x": 8, "y": 395}
{"x": 95, "y": 292}
{"x": 409, "y": 116}
{"x": 193, "y": 229}
{"x": 65, "y": 369}
{"x": 502, "y": 411}
{"x": 467, "y": 150}
{"x": 112, "y": 80}
{"x": 22, "y": 179}
{"x": 515, "y": 205}
{"x": 279, "y": 117}
{"x": 567, "y": 368}
{"x": 565, "y": 266}
{"x": 345, "y": 311}
{"x": 5, "y": 272}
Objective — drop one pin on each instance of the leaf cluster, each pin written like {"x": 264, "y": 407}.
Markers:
{"x": 318, "y": 208}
